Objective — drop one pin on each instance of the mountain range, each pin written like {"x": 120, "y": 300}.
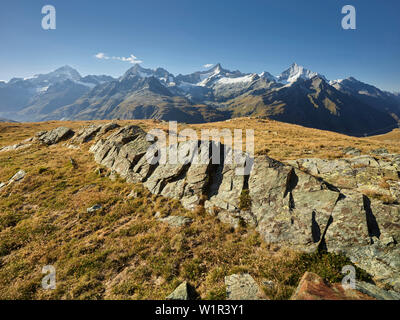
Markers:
{"x": 297, "y": 95}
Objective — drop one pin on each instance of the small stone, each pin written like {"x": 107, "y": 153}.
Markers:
{"x": 386, "y": 241}
{"x": 73, "y": 147}
{"x": 177, "y": 221}
{"x": 183, "y": 292}
{"x": 269, "y": 284}
{"x": 2, "y": 185}
{"x": 113, "y": 176}
{"x": 18, "y": 176}
{"x": 242, "y": 287}
{"x": 134, "y": 194}
{"x": 95, "y": 208}
{"x": 157, "y": 215}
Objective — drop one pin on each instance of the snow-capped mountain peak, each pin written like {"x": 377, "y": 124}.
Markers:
{"x": 64, "y": 73}
{"x": 161, "y": 74}
{"x": 295, "y": 72}
{"x": 215, "y": 73}
{"x": 267, "y": 76}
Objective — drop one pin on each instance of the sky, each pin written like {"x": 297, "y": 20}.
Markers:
{"x": 183, "y": 36}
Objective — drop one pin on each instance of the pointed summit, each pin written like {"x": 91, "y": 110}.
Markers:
{"x": 217, "y": 66}
{"x": 137, "y": 71}
{"x": 215, "y": 69}
{"x": 61, "y": 74}
{"x": 295, "y": 72}
{"x": 267, "y": 76}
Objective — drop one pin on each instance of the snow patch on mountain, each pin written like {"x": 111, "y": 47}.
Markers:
{"x": 267, "y": 76}
{"x": 296, "y": 72}
{"x": 244, "y": 79}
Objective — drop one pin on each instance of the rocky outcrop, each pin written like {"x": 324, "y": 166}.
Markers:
{"x": 361, "y": 173}
{"x": 90, "y": 132}
{"x": 309, "y": 204}
{"x": 243, "y": 287}
{"x": 54, "y": 136}
{"x": 18, "y": 146}
{"x": 342, "y": 205}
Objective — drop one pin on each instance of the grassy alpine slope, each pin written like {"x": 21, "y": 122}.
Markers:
{"x": 122, "y": 251}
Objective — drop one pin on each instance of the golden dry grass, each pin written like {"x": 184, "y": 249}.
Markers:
{"x": 279, "y": 140}
{"x": 122, "y": 251}
{"x": 389, "y": 138}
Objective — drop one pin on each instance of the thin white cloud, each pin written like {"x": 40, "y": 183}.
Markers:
{"x": 101, "y": 55}
{"x": 208, "y": 65}
{"x": 131, "y": 59}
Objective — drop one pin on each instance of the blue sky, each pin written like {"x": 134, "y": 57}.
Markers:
{"x": 184, "y": 35}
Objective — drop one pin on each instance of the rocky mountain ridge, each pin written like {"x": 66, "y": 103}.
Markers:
{"x": 298, "y": 96}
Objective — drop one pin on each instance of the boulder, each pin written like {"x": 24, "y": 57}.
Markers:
{"x": 313, "y": 287}
{"x": 86, "y": 134}
{"x": 177, "y": 221}
{"x": 242, "y": 287}
{"x": 122, "y": 150}
{"x": 183, "y": 292}
{"x": 54, "y": 136}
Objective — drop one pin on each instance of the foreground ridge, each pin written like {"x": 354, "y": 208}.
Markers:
{"x": 287, "y": 203}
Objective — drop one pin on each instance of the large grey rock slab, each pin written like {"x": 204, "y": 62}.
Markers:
{"x": 376, "y": 292}
{"x": 290, "y": 205}
{"x": 382, "y": 262}
{"x": 93, "y": 131}
{"x": 54, "y": 136}
{"x": 121, "y": 150}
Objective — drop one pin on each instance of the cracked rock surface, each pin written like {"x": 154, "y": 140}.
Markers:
{"x": 339, "y": 205}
